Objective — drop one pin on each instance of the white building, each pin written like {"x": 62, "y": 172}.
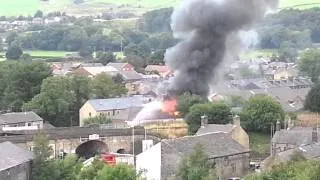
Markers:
{"x": 18, "y": 121}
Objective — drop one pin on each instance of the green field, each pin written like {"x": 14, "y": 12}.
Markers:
{"x": 39, "y": 53}
{"x": 29, "y": 7}
{"x": 251, "y": 54}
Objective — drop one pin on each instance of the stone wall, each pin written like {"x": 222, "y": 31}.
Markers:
{"x": 20, "y": 172}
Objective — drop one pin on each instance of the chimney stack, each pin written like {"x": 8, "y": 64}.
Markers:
{"x": 314, "y": 135}
{"x": 278, "y": 126}
{"x": 204, "y": 121}
{"x": 236, "y": 120}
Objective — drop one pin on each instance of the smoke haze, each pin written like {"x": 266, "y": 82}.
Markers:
{"x": 209, "y": 30}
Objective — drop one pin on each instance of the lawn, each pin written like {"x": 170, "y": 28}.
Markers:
{"x": 259, "y": 143}
{"x": 254, "y": 53}
{"x": 39, "y": 53}
{"x": 29, "y": 7}
{"x": 290, "y": 3}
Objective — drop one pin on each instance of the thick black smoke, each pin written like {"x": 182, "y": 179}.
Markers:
{"x": 204, "y": 27}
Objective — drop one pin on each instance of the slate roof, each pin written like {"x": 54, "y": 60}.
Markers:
{"x": 159, "y": 68}
{"x": 215, "y": 128}
{"x": 116, "y": 103}
{"x": 214, "y": 145}
{"x": 12, "y": 155}
{"x": 118, "y": 66}
{"x": 131, "y": 75}
{"x": 101, "y": 69}
{"x": 311, "y": 151}
{"x": 19, "y": 117}
{"x": 295, "y": 136}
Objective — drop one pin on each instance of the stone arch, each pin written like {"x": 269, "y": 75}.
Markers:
{"x": 121, "y": 151}
{"x": 91, "y": 148}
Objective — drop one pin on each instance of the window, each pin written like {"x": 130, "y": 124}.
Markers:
{"x": 113, "y": 112}
{"x": 89, "y": 114}
{"x": 118, "y": 111}
{"x": 29, "y": 124}
{"x": 108, "y": 113}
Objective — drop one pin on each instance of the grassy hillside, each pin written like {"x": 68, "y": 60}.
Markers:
{"x": 29, "y": 7}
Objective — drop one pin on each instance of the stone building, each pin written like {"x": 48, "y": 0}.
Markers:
{"x": 162, "y": 160}
{"x": 119, "y": 110}
{"x": 234, "y": 130}
{"x": 20, "y": 121}
{"x": 15, "y": 162}
{"x": 291, "y": 138}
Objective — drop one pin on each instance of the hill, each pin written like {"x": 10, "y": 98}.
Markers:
{"x": 93, "y": 7}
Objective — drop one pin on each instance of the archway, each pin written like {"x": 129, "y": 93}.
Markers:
{"x": 121, "y": 151}
{"x": 91, "y": 148}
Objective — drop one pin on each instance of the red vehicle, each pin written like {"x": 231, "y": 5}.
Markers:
{"x": 108, "y": 158}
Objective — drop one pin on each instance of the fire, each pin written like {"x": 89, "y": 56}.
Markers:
{"x": 169, "y": 106}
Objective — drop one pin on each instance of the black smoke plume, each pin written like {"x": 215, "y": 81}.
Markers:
{"x": 203, "y": 27}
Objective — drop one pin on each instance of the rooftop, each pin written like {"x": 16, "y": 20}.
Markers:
{"x": 214, "y": 145}
{"x": 215, "y": 128}
{"x": 100, "y": 69}
{"x": 19, "y": 117}
{"x": 116, "y": 103}
{"x": 296, "y": 136}
{"x": 12, "y": 155}
{"x": 311, "y": 151}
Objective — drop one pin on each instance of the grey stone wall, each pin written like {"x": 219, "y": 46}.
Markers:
{"x": 232, "y": 166}
{"x": 20, "y": 172}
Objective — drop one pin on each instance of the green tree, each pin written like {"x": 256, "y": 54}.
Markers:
{"x": 312, "y": 102}
{"x": 103, "y": 87}
{"x": 236, "y": 101}
{"x": 118, "y": 79}
{"x": 260, "y": 112}
{"x": 309, "y": 64}
{"x": 102, "y": 119}
{"x": 80, "y": 86}
{"x": 26, "y": 57}
{"x": 43, "y": 168}
{"x": 12, "y": 36}
{"x": 118, "y": 172}
{"x": 186, "y": 100}
{"x": 217, "y": 113}
{"x": 105, "y": 57}
{"x": 69, "y": 168}
{"x": 21, "y": 81}
{"x": 90, "y": 172}
{"x": 14, "y": 52}
{"x": 55, "y": 101}
{"x": 196, "y": 166}
{"x": 38, "y": 14}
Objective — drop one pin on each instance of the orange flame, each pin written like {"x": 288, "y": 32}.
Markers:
{"x": 169, "y": 106}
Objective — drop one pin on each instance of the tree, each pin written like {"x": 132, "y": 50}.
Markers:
{"x": 118, "y": 172}
{"x": 237, "y": 101}
{"x": 90, "y": 172}
{"x": 102, "y": 119}
{"x": 38, "y": 14}
{"x": 55, "y": 101}
{"x": 26, "y": 57}
{"x": 12, "y": 36}
{"x": 69, "y": 168}
{"x": 14, "y": 52}
{"x": 21, "y": 81}
{"x": 186, "y": 100}
{"x": 309, "y": 64}
{"x": 105, "y": 57}
{"x": 43, "y": 168}
{"x": 103, "y": 87}
{"x": 260, "y": 112}
{"x": 217, "y": 113}
{"x": 85, "y": 51}
{"x": 302, "y": 170}
{"x": 80, "y": 86}
{"x": 288, "y": 50}
{"x": 196, "y": 166}
{"x": 312, "y": 102}
{"x": 156, "y": 57}
{"x": 118, "y": 79}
